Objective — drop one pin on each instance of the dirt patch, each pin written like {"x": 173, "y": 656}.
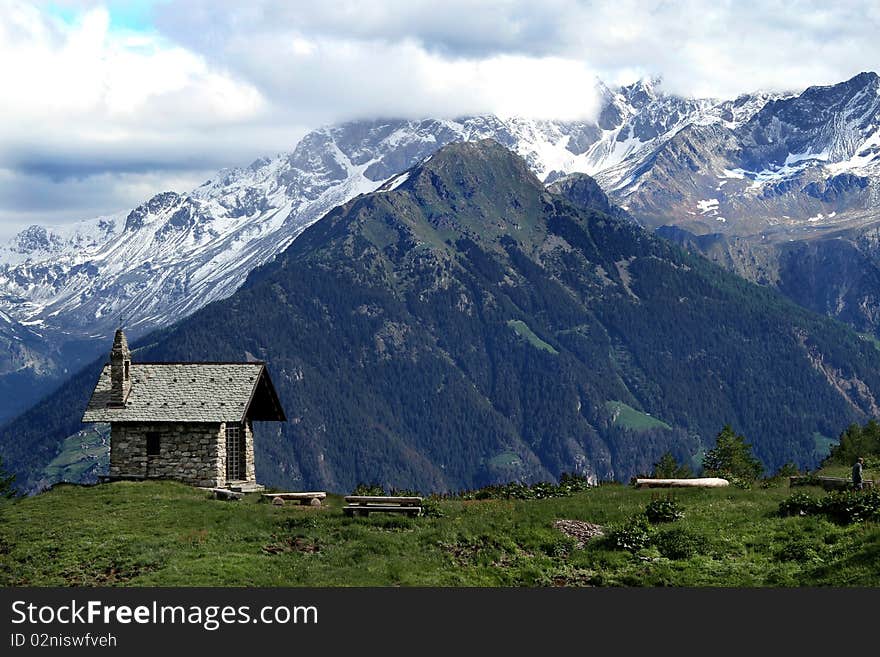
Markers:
{"x": 292, "y": 544}
{"x": 579, "y": 530}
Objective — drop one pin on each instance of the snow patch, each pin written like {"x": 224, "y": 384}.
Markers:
{"x": 707, "y": 205}
{"x": 394, "y": 183}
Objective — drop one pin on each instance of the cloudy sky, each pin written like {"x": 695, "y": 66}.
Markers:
{"x": 106, "y": 103}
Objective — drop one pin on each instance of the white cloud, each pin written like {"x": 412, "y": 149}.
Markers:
{"x": 29, "y": 199}
{"x": 717, "y": 49}
{"x": 95, "y": 119}
{"x": 209, "y": 83}
{"x": 87, "y": 73}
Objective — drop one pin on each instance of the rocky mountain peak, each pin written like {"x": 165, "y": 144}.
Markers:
{"x": 642, "y": 91}
{"x": 33, "y": 238}
{"x": 585, "y": 192}
{"x": 159, "y": 203}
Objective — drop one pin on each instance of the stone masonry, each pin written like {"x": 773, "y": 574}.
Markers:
{"x": 249, "y": 469}
{"x": 192, "y": 453}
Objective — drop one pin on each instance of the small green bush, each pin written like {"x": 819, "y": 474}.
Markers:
{"x": 431, "y": 507}
{"x": 800, "y": 550}
{"x": 632, "y": 536}
{"x": 663, "y": 510}
{"x": 368, "y": 489}
{"x": 850, "y": 506}
{"x": 845, "y": 507}
{"x": 679, "y": 543}
{"x": 568, "y": 485}
{"x": 799, "y": 504}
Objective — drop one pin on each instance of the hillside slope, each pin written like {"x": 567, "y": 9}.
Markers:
{"x": 168, "y": 534}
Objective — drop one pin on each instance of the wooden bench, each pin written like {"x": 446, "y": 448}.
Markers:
{"x": 827, "y": 483}
{"x": 364, "y": 505}
{"x": 306, "y": 499}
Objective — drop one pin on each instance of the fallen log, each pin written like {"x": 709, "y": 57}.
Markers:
{"x": 704, "y": 482}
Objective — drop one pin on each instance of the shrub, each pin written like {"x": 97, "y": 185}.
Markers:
{"x": 739, "y": 482}
{"x": 845, "y": 507}
{"x": 368, "y": 489}
{"x": 663, "y": 510}
{"x": 573, "y": 483}
{"x": 668, "y": 468}
{"x": 799, "y": 504}
{"x": 800, "y": 550}
{"x": 787, "y": 470}
{"x": 568, "y": 485}
{"x": 850, "y": 506}
{"x": 732, "y": 459}
{"x": 431, "y": 507}
{"x": 679, "y": 543}
{"x": 633, "y": 536}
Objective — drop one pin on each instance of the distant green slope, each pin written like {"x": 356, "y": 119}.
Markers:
{"x": 167, "y": 534}
{"x": 627, "y": 417}
{"x": 522, "y": 329}
{"x": 83, "y": 456}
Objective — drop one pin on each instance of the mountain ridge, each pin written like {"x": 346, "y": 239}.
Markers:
{"x": 465, "y": 325}
{"x": 663, "y": 158}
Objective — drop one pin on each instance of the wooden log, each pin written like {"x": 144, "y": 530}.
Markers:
{"x": 703, "y": 482}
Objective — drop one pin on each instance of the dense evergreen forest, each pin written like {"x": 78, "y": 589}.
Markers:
{"x": 469, "y": 326}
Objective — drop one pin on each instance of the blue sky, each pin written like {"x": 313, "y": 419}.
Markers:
{"x": 124, "y": 15}
{"x": 111, "y": 102}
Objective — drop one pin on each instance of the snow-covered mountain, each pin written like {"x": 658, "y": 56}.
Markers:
{"x": 177, "y": 252}
{"x": 786, "y": 163}
{"x": 702, "y": 163}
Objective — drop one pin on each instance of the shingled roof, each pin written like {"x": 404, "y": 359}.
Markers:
{"x": 189, "y": 392}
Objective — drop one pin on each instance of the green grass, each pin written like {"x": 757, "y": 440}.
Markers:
{"x": 629, "y": 418}
{"x": 505, "y": 459}
{"x": 163, "y": 533}
{"x": 524, "y": 331}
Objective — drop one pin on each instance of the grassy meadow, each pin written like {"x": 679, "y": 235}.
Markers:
{"x": 164, "y": 533}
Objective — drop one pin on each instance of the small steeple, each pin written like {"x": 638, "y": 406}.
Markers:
{"x": 120, "y": 370}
